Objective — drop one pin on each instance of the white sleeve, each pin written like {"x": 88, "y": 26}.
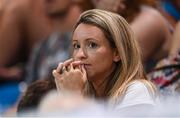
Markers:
{"x": 136, "y": 94}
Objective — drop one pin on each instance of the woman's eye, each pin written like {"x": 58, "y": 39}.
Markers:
{"x": 92, "y": 45}
{"x": 76, "y": 46}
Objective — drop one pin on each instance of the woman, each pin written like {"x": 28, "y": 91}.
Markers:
{"x": 106, "y": 62}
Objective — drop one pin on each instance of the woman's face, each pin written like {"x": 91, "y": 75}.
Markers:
{"x": 92, "y": 48}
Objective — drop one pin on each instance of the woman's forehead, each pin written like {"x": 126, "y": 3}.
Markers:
{"x": 87, "y": 31}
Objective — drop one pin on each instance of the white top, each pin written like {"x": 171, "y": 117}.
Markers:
{"x": 137, "y": 94}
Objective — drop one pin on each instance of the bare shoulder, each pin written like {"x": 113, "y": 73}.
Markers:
{"x": 150, "y": 17}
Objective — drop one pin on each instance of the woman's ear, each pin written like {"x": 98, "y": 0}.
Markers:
{"x": 116, "y": 57}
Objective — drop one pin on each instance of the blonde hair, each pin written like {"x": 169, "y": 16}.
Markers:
{"x": 121, "y": 37}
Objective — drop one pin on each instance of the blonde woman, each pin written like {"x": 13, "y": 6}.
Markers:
{"x": 106, "y": 62}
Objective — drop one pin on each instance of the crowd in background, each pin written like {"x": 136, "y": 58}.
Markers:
{"x": 36, "y": 35}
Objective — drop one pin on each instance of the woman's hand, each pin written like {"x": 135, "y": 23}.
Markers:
{"x": 70, "y": 76}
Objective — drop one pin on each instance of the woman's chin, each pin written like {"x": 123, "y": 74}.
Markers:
{"x": 90, "y": 77}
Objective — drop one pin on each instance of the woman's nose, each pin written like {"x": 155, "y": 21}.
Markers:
{"x": 81, "y": 54}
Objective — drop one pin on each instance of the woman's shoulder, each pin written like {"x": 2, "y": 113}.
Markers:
{"x": 137, "y": 87}
{"x": 137, "y": 93}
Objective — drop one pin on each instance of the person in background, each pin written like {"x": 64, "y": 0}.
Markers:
{"x": 22, "y": 24}
{"x": 50, "y": 50}
{"x": 166, "y": 74}
{"x": 106, "y": 63}
{"x": 152, "y": 30}
{"x": 35, "y": 92}
{"x": 56, "y": 47}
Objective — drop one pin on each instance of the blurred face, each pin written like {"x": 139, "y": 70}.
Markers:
{"x": 92, "y": 48}
{"x": 55, "y": 6}
{"x": 63, "y": 13}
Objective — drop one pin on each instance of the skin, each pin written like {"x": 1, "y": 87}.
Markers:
{"x": 112, "y": 5}
{"x": 150, "y": 28}
{"x": 22, "y": 24}
{"x": 68, "y": 12}
{"x": 175, "y": 47}
{"x": 25, "y": 22}
{"x": 152, "y": 34}
{"x": 90, "y": 47}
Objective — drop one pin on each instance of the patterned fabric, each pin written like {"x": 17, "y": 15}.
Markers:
{"x": 167, "y": 75}
{"x": 46, "y": 56}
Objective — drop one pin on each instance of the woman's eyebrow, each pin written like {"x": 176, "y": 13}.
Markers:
{"x": 74, "y": 40}
{"x": 87, "y": 39}
{"x": 91, "y": 39}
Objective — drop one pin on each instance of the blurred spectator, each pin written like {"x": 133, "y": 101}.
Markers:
{"x": 166, "y": 75}
{"x": 64, "y": 105}
{"x": 49, "y": 52}
{"x": 34, "y": 94}
{"x": 151, "y": 28}
{"x": 22, "y": 25}
{"x": 40, "y": 16}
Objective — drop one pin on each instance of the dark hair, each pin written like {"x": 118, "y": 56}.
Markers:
{"x": 34, "y": 93}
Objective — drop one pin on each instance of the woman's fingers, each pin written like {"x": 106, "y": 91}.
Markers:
{"x": 66, "y": 63}
{"x": 83, "y": 69}
{"x": 84, "y": 73}
{"x": 73, "y": 79}
{"x": 57, "y": 77}
{"x": 59, "y": 68}
{"x": 56, "y": 74}
{"x": 71, "y": 68}
{"x": 76, "y": 64}
{"x": 62, "y": 67}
